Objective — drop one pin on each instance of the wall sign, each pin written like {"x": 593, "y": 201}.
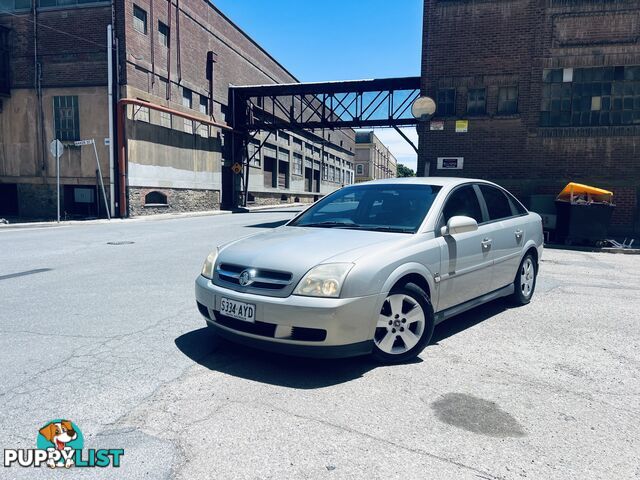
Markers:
{"x": 450, "y": 163}
{"x": 462, "y": 126}
{"x": 437, "y": 125}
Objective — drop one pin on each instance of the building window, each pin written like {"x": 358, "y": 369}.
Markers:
{"x": 22, "y": 4}
{"x": 141, "y": 113}
{"x": 204, "y": 105}
{"x": 187, "y": 101}
{"x": 476, "y": 101}
{"x": 165, "y": 119}
{"x": 591, "y": 97}
{"x": 507, "y": 100}
{"x": 66, "y": 119}
{"x": 254, "y": 153}
{"x": 325, "y": 172}
{"x": 163, "y": 34}
{"x": 139, "y": 19}
{"x": 203, "y": 130}
{"x": 15, "y": 5}
{"x": 446, "y": 102}
{"x": 155, "y": 199}
{"x": 5, "y": 87}
{"x": 297, "y": 164}
{"x": 359, "y": 169}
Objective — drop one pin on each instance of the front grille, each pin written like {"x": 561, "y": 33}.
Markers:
{"x": 257, "y": 328}
{"x": 265, "y": 329}
{"x": 263, "y": 278}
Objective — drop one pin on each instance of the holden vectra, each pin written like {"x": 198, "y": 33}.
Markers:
{"x": 372, "y": 268}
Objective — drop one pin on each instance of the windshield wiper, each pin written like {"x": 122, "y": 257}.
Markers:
{"x": 329, "y": 224}
{"x": 380, "y": 228}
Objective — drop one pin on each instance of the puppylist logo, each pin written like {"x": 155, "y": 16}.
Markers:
{"x": 60, "y": 443}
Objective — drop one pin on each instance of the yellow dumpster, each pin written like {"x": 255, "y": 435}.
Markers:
{"x": 577, "y": 192}
{"x": 584, "y": 214}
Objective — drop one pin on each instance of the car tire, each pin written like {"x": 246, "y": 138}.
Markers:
{"x": 404, "y": 325}
{"x": 525, "y": 281}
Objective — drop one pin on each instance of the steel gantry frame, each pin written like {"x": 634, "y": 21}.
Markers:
{"x": 382, "y": 102}
{"x": 307, "y": 107}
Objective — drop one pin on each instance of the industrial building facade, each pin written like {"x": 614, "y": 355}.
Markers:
{"x": 373, "y": 160}
{"x": 174, "y": 61}
{"x": 533, "y": 94}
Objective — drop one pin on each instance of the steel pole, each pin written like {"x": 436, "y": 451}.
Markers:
{"x": 58, "y": 178}
{"x": 112, "y": 195}
{"x": 104, "y": 194}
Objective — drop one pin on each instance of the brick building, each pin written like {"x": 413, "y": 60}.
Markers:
{"x": 550, "y": 90}
{"x": 373, "y": 160}
{"x": 179, "y": 56}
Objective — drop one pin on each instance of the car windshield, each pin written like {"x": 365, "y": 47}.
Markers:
{"x": 376, "y": 207}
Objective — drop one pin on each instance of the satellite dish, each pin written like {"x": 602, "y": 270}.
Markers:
{"x": 423, "y": 108}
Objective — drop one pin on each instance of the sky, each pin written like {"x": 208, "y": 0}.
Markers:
{"x": 339, "y": 40}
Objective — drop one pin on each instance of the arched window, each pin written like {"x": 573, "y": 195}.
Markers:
{"x": 155, "y": 198}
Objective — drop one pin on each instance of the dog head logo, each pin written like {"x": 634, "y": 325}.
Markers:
{"x": 59, "y": 433}
{"x": 63, "y": 436}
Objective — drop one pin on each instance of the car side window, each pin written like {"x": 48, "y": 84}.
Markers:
{"x": 463, "y": 201}
{"x": 516, "y": 205}
{"x": 497, "y": 202}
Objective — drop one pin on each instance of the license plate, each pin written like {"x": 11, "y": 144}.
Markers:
{"x": 239, "y": 310}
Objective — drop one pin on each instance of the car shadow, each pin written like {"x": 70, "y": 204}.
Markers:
{"x": 240, "y": 361}
{"x": 468, "y": 319}
{"x": 208, "y": 350}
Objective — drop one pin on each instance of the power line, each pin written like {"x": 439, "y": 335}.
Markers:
{"x": 30, "y": 20}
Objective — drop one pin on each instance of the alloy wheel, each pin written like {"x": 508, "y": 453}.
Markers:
{"x": 400, "y": 324}
{"x": 527, "y": 277}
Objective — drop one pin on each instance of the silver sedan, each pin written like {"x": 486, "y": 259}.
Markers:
{"x": 372, "y": 268}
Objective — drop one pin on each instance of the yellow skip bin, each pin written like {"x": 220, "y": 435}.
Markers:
{"x": 577, "y": 192}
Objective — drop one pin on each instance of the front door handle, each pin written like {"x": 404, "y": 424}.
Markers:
{"x": 486, "y": 243}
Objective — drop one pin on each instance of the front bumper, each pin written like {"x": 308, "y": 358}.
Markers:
{"x": 347, "y": 325}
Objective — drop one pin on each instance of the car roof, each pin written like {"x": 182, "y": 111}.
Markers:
{"x": 437, "y": 181}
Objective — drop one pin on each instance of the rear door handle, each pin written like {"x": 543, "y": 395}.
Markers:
{"x": 518, "y": 234}
{"x": 486, "y": 243}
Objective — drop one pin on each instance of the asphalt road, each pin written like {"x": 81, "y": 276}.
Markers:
{"x": 109, "y": 336}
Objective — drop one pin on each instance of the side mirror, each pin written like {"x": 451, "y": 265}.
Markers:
{"x": 459, "y": 224}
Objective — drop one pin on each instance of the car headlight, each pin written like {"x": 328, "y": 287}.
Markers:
{"x": 324, "y": 280}
{"x": 207, "y": 268}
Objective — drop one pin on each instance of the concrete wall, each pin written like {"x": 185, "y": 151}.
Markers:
{"x": 23, "y": 161}
{"x": 71, "y": 56}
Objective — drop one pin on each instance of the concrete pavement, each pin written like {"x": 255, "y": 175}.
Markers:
{"x": 108, "y": 335}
